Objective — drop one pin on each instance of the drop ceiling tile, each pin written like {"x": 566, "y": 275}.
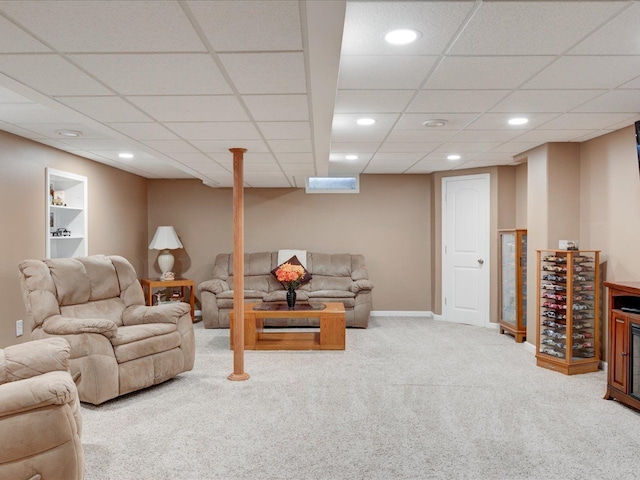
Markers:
{"x": 393, "y": 157}
{"x": 463, "y": 147}
{"x": 143, "y": 130}
{"x": 20, "y": 131}
{"x": 97, "y": 144}
{"x": 408, "y": 146}
{"x": 290, "y": 146}
{"x": 50, "y": 74}
{"x": 296, "y": 158}
{"x": 497, "y": 136}
{"x": 170, "y": 146}
{"x": 365, "y": 136}
{"x": 172, "y": 173}
{"x": 515, "y": 147}
{"x": 250, "y": 26}
{"x": 157, "y": 74}
{"x": 192, "y": 158}
{"x": 480, "y": 164}
{"x": 223, "y": 146}
{"x": 393, "y": 166}
{"x": 414, "y": 121}
{"x": 285, "y": 130}
{"x": 540, "y": 101}
{"x": 441, "y": 158}
{"x": 544, "y": 136}
{"x": 278, "y": 108}
{"x": 618, "y": 37}
{"x": 364, "y": 147}
{"x": 299, "y": 169}
{"x": 215, "y": 130}
{"x": 473, "y": 73}
{"x": 499, "y": 121}
{"x": 208, "y": 168}
{"x": 197, "y": 108}
{"x": 635, "y": 83}
{"x": 366, "y": 22}
{"x": 15, "y": 40}
{"x": 266, "y": 72}
{"x": 613, "y": 101}
{"x": 20, "y": 113}
{"x": 587, "y": 72}
{"x": 372, "y": 101}
{"x": 105, "y": 109}
{"x": 422, "y": 135}
{"x": 381, "y": 72}
{"x": 363, "y": 158}
{"x": 514, "y": 28}
{"x": 585, "y": 121}
{"x": 341, "y": 168}
{"x": 49, "y": 130}
{"x": 496, "y": 157}
{"x": 141, "y": 158}
{"x": 593, "y": 134}
{"x": 72, "y": 26}
{"x": 9, "y": 96}
{"x": 462, "y": 101}
{"x": 58, "y": 144}
{"x": 347, "y": 122}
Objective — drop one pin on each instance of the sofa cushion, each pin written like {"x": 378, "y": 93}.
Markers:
{"x": 323, "y": 282}
{"x": 337, "y": 294}
{"x": 248, "y": 294}
{"x": 293, "y": 261}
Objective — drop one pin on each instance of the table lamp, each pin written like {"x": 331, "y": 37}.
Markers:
{"x": 165, "y": 239}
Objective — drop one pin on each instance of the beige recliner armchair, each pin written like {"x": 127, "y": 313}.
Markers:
{"x": 40, "y": 422}
{"x": 118, "y": 344}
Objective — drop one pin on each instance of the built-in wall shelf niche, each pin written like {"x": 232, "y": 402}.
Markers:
{"x": 66, "y": 200}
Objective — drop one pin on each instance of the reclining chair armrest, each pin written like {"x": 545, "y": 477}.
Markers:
{"x": 164, "y": 313}
{"x": 59, "y": 325}
{"x": 52, "y": 388}
{"x": 26, "y": 360}
{"x": 214, "y": 286}
{"x": 361, "y": 285}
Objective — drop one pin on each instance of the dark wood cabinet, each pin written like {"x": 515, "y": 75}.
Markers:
{"x": 624, "y": 343}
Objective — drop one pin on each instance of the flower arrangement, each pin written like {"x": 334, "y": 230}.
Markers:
{"x": 290, "y": 275}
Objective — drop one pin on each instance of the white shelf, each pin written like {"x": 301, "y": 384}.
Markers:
{"x": 72, "y": 190}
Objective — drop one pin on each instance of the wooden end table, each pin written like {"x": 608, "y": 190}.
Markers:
{"x": 149, "y": 284}
{"x": 330, "y": 337}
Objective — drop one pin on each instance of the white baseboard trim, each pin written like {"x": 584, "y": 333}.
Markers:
{"x": 530, "y": 347}
{"x": 401, "y": 313}
{"x": 492, "y": 326}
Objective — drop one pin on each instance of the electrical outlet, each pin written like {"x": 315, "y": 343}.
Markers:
{"x": 19, "y": 328}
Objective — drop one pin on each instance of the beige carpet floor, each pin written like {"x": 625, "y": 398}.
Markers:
{"x": 410, "y": 398}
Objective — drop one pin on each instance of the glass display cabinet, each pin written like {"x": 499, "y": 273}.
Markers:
{"x": 568, "y": 339}
{"x": 513, "y": 283}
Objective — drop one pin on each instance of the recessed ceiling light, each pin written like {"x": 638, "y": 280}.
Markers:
{"x": 365, "y": 121}
{"x": 69, "y": 133}
{"x": 518, "y": 121}
{"x": 351, "y": 157}
{"x": 453, "y": 157}
{"x": 125, "y": 155}
{"x": 438, "y": 122}
{"x": 401, "y": 36}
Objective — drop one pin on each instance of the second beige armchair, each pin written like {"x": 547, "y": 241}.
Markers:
{"x": 40, "y": 422}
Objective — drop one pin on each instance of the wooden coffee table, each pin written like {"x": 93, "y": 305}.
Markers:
{"x": 330, "y": 337}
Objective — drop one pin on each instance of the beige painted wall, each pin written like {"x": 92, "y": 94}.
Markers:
{"x": 117, "y": 216}
{"x": 389, "y": 222}
{"x": 521, "y": 196}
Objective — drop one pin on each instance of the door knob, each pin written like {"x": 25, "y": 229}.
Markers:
{"x": 480, "y": 261}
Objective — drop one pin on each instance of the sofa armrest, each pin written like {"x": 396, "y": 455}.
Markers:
{"x": 59, "y": 325}
{"x": 214, "y": 286}
{"x": 163, "y": 313}
{"x": 30, "y": 359}
{"x": 361, "y": 285}
{"x": 52, "y": 388}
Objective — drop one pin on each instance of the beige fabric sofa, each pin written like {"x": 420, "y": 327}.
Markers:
{"x": 40, "y": 421}
{"x": 118, "y": 344}
{"x": 339, "y": 277}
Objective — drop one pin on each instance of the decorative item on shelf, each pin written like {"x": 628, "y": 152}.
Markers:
{"x": 166, "y": 276}
{"x": 158, "y": 298}
{"x": 567, "y": 245}
{"x": 61, "y": 232}
{"x": 165, "y": 239}
{"x": 176, "y": 296}
{"x": 291, "y": 277}
{"x": 58, "y": 198}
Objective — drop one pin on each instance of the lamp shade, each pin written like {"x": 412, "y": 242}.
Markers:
{"x": 165, "y": 238}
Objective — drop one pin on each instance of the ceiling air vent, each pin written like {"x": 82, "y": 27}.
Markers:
{"x": 333, "y": 185}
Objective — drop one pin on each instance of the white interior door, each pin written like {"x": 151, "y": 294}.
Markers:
{"x": 465, "y": 241}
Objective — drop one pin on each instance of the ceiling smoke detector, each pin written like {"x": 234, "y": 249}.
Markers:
{"x": 439, "y": 122}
